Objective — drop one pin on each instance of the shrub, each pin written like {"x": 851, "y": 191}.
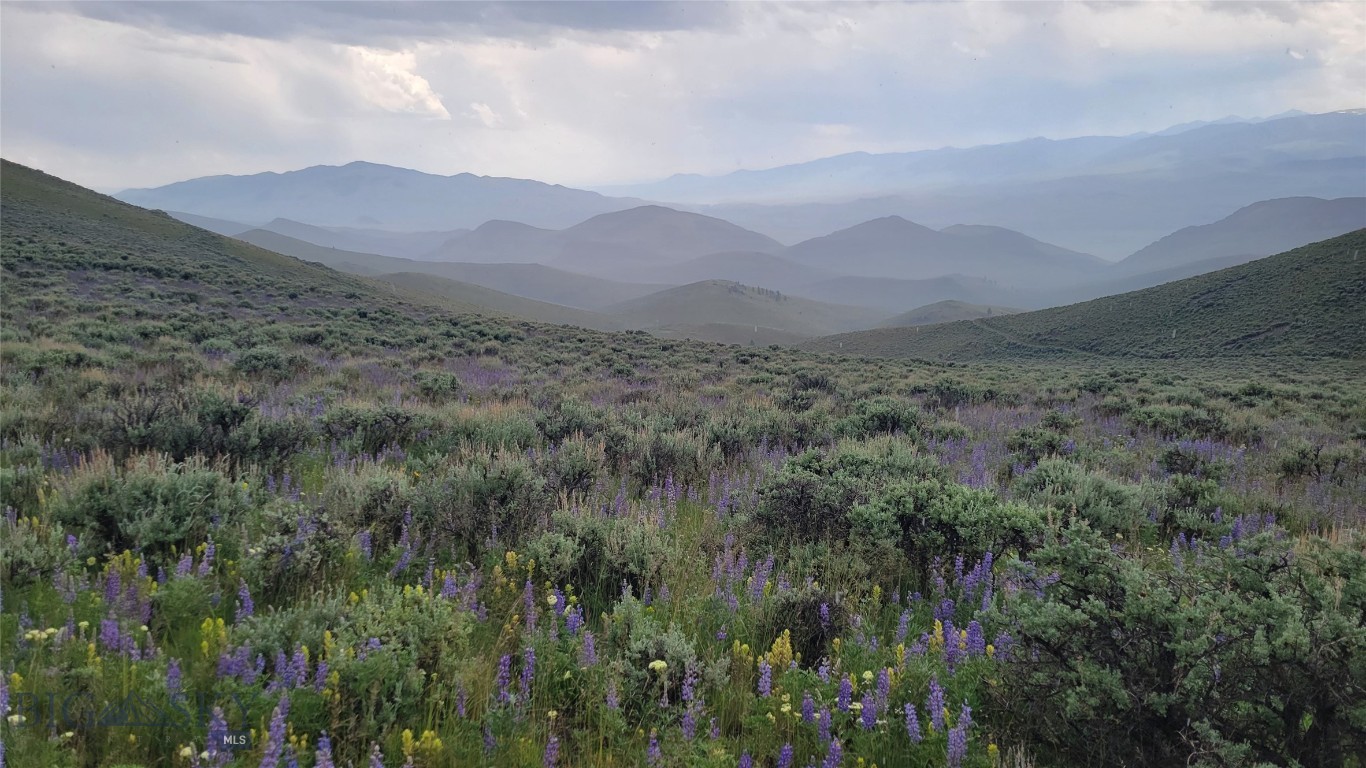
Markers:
{"x": 1248, "y": 654}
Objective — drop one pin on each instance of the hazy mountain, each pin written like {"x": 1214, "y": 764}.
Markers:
{"x": 894, "y": 247}
{"x": 533, "y": 281}
{"x": 1260, "y": 229}
{"x": 893, "y": 296}
{"x": 1248, "y": 145}
{"x": 407, "y": 245}
{"x": 501, "y": 303}
{"x": 499, "y": 241}
{"x": 1309, "y": 302}
{"x": 945, "y": 312}
{"x": 219, "y": 226}
{"x": 632, "y": 244}
{"x": 729, "y": 303}
{"x": 371, "y": 196}
{"x": 1108, "y": 197}
{"x": 651, "y": 236}
{"x": 747, "y": 267}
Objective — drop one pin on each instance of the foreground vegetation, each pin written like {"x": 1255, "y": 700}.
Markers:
{"x": 243, "y": 494}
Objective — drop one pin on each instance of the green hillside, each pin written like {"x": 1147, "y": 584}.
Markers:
{"x": 946, "y": 311}
{"x": 730, "y": 303}
{"x": 1307, "y": 302}
{"x": 500, "y": 303}
{"x": 532, "y": 281}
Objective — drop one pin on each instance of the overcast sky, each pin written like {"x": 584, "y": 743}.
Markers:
{"x": 113, "y": 95}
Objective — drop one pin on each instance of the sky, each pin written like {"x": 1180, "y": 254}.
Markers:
{"x": 116, "y": 95}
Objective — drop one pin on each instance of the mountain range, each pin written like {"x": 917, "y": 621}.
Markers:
{"x": 1107, "y": 196}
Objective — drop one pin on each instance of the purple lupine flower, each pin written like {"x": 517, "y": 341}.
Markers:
{"x": 245, "y": 606}
{"x": 113, "y": 588}
{"x": 912, "y": 723}
{"x": 324, "y": 752}
{"x": 173, "y": 677}
{"x": 765, "y": 679}
{"x": 688, "y": 724}
{"x": 186, "y": 564}
{"x": 366, "y": 542}
{"x": 1002, "y": 645}
{"x": 461, "y": 698}
{"x": 834, "y": 756}
{"x": 110, "y": 637}
{"x": 588, "y": 656}
{"x": 653, "y": 755}
{"x": 958, "y": 745}
{"x": 884, "y": 689}
{"x": 489, "y": 741}
{"x": 376, "y": 759}
{"x": 823, "y": 724}
{"x": 808, "y": 708}
{"x": 868, "y": 715}
{"x": 504, "y": 678}
{"x": 825, "y": 615}
{"x": 529, "y": 601}
{"x": 903, "y": 626}
{"x": 952, "y": 652}
{"x": 721, "y": 633}
{"x": 613, "y": 703}
{"x": 449, "y": 589}
{"x": 846, "y": 694}
{"x": 746, "y": 761}
{"x": 206, "y": 567}
{"x": 275, "y": 737}
{"x": 320, "y": 676}
{"x": 977, "y": 641}
{"x": 528, "y": 671}
{"x": 785, "y": 756}
{"x": 935, "y": 704}
{"x": 714, "y": 730}
{"x": 217, "y": 738}
{"x": 552, "y": 752}
{"x": 823, "y": 672}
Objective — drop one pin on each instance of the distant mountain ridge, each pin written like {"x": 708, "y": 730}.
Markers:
{"x": 374, "y": 196}
{"x": 1260, "y": 229}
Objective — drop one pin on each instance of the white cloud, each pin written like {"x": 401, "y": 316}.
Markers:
{"x": 387, "y": 80}
{"x": 154, "y": 93}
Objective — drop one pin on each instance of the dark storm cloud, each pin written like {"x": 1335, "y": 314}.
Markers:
{"x": 370, "y": 23}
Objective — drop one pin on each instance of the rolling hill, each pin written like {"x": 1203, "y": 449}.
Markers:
{"x": 532, "y": 281}
{"x": 896, "y": 248}
{"x": 497, "y": 302}
{"x": 713, "y": 302}
{"x": 945, "y": 312}
{"x": 1307, "y": 302}
{"x": 895, "y": 296}
{"x": 404, "y": 245}
{"x": 1260, "y": 229}
{"x": 748, "y": 267}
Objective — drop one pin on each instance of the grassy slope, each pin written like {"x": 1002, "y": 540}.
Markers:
{"x": 532, "y": 281}
{"x": 728, "y": 303}
{"x": 501, "y": 303}
{"x": 946, "y": 312}
{"x": 1307, "y": 302}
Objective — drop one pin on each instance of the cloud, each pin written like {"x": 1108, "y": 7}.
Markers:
{"x": 387, "y": 80}
{"x": 133, "y": 94}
